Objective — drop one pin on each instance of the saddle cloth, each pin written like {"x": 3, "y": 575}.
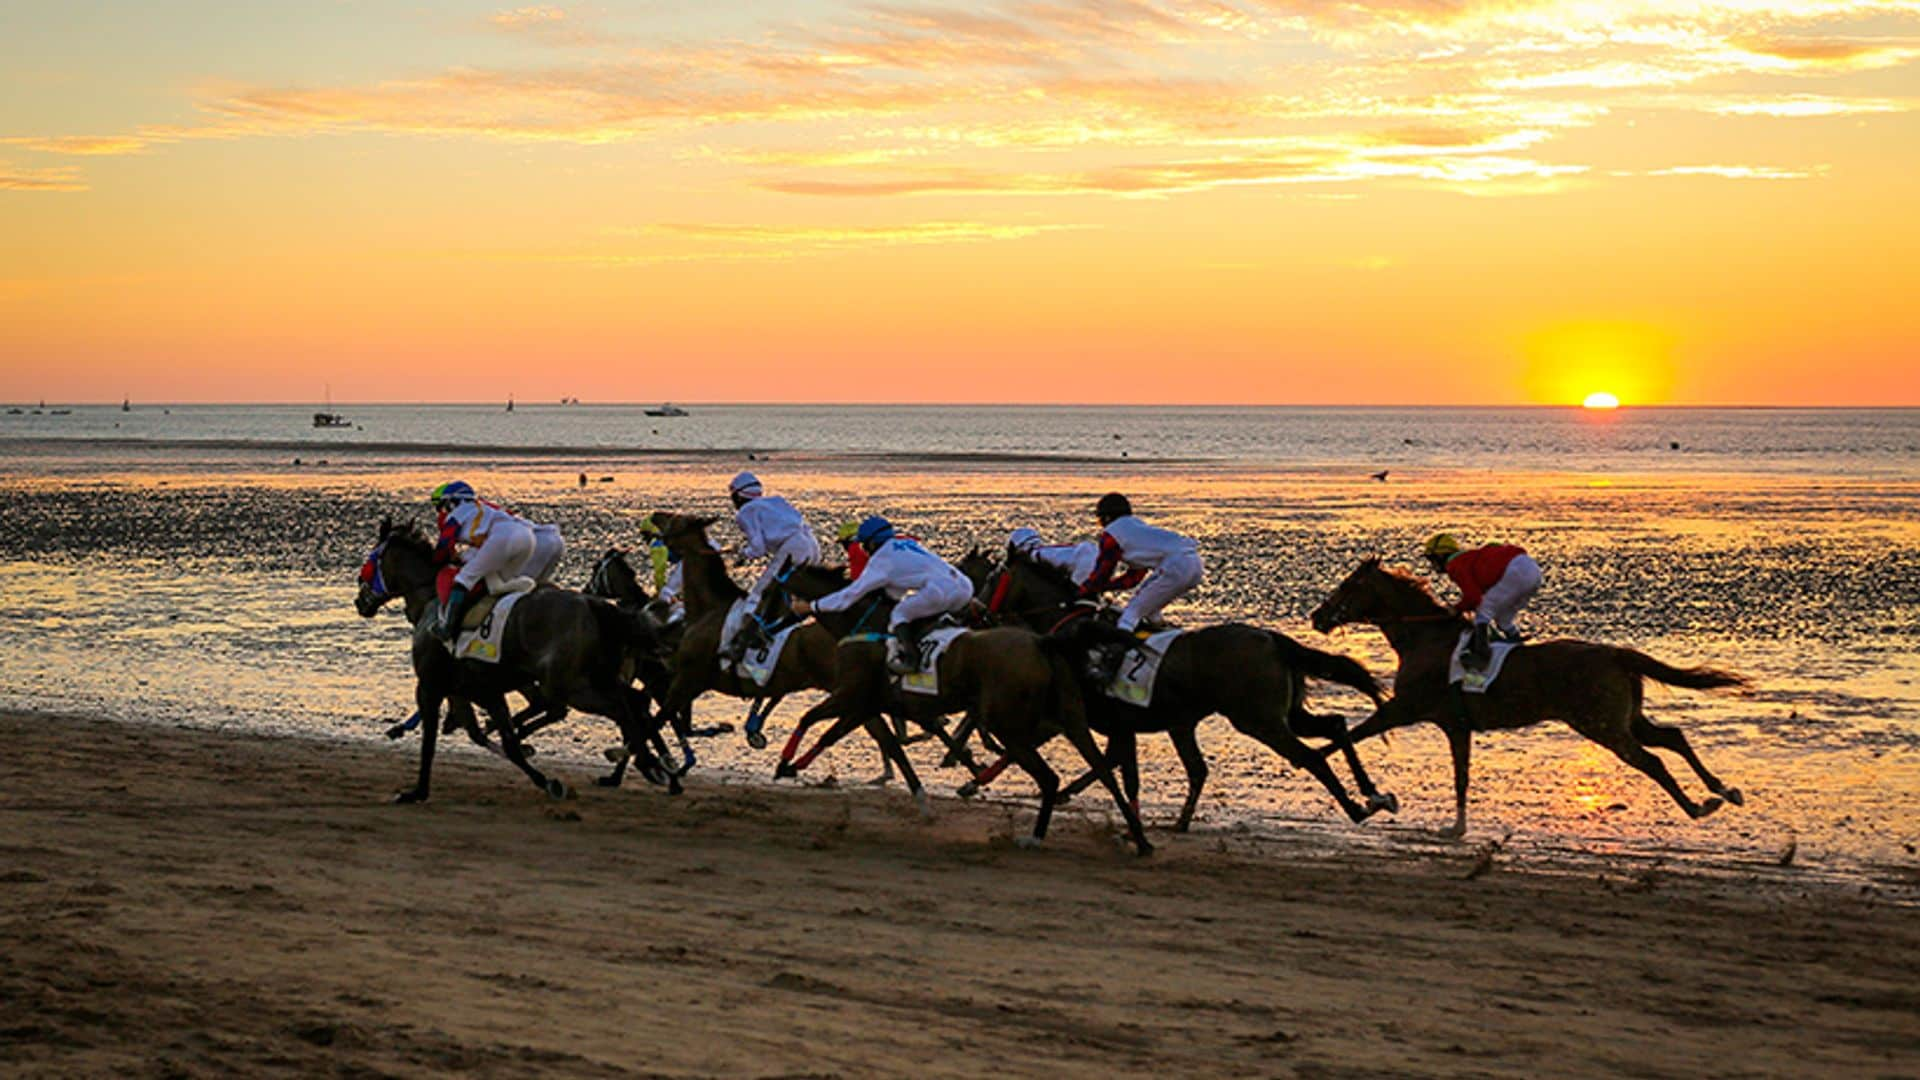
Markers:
{"x": 925, "y": 678}
{"x": 1133, "y": 681}
{"x": 756, "y": 664}
{"x": 481, "y": 640}
{"x": 1477, "y": 682}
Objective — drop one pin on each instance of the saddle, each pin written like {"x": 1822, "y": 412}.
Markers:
{"x": 478, "y": 610}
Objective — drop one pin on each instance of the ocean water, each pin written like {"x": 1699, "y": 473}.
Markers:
{"x": 188, "y": 572}
{"x": 1809, "y": 441}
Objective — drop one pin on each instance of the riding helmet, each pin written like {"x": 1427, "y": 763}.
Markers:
{"x": 874, "y": 531}
{"x": 1112, "y": 506}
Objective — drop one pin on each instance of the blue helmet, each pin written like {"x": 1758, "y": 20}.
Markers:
{"x": 452, "y": 491}
{"x": 874, "y": 531}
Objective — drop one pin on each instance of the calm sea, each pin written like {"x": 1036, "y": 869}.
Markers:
{"x": 1840, "y": 442}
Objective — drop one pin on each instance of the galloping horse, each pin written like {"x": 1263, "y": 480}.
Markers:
{"x": 806, "y": 663}
{"x": 1017, "y": 686}
{"x": 574, "y": 650}
{"x": 1596, "y": 689}
{"x": 1254, "y": 677}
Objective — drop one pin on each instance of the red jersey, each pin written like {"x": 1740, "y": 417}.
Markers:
{"x": 1478, "y": 570}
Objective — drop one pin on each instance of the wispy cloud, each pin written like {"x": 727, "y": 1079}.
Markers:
{"x": 83, "y": 145}
{"x": 59, "y": 178}
{"x": 1738, "y": 172}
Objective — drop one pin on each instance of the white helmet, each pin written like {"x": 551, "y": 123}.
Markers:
{"x": 1024, "y": 541}
{"x": 745, "y": 486}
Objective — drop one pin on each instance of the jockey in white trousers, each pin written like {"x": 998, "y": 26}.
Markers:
{"x": 923, "y": 585}
{"x": 776, "y": 532}
{"x": 1172, "y": 561}
{"x": 501, "y": 546}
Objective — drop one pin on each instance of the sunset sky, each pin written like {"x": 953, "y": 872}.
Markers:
{"x": 1264, "y": 201}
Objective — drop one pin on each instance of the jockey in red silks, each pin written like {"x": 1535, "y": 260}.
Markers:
{"x": 1172, "y": 561}
{"x": 1496, "y": 582}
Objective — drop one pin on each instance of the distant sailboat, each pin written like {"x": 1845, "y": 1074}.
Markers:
{"x": 509, "y": 402}
{"x": 329, "y": 418}
{"x": 668, "y": 409}
{"x": 126, "y": 404}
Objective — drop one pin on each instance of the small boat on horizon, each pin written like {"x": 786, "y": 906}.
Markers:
{"x": 668, "y": 409}
{"x": 330, "y": 419}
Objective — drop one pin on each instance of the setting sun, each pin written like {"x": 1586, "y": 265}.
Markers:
{"x": 1600, "y": 399}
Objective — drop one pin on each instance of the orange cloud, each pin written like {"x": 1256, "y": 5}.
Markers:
{"x": 61, "y": 178}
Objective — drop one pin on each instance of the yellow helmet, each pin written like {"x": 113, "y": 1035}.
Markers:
{"x": 846, "y": 531}
{"x": 1443, "y": 546}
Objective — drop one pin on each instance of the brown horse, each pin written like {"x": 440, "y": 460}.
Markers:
{"x": 1017, "y": 686}
{"x": 1596, "y": 689}
{"x": 1254, "y": 677}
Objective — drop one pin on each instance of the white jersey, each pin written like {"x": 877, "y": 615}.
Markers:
{"x": 899, "y": 566}
{"x": 1074, "y": 560}
{"x": 769, "y": 523}
{"x": 476, "y": 519}
{"x": 1142, "y": 544}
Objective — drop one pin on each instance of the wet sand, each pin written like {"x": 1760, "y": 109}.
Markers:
{"x": 195, "y": 903}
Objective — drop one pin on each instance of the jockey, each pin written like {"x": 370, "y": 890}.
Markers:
{"x": 1173, "y": 561}
{"x": 1074, "y": 561}
{"x": 922, "y": 583}
{"x": 1496, "y": 581}
{"x": 776, "y": 532}
{"x": 664, "y": 562}
{"x": 856, "y": 555}
{"x": 501, "y": 546}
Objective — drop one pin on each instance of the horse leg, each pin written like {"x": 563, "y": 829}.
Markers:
{"x": 1460, "y": 741}
{"x": 757, "y": 713}
{"x": 1630, "y": 751}
{"x": 1122, "y": 752}
{"x": 427, "y": 702}
{"x": 1048, "y": 781}
{"x": 1280, "y": 740}
{"x": 841, "y": 729}
{"x": 984, "y": 777}
{"x": 833, "y": 706}
{"x": 892, "y": 752}
{"x": 1315, "y": 726}
{"x": 1672, "y": 738}
{"x": 1082, "y": 739}
{"x": 1186, "y": 742}
{"x": 515, "y": 752}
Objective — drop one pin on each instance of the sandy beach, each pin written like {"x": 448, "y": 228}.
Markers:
{"x": 189, "y": 903}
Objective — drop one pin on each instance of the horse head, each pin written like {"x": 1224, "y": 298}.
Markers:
{"x": 684, "y": 534}
{"x": 614, "y": 578}
{"x": 980, "y": 568}
{"x": 1374, "y": 594}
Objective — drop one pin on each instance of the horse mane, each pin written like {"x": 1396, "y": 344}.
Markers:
{"x": 818, "y": 581}
{"x": 1409, "y": 584}
{"x": 412, "y": 538}
{"x": 1052, "y": 574}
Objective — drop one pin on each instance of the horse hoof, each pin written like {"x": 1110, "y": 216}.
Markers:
{"x": 757, "y": 740}
{"x": 409, "y": 798}
{"x": 557, "y": 789}
{"x": 785, "y": 771}
{"x": 880, "y": 781}
{"x": 607, "y": 781}
{"x": 1707, "y": 808}
{"x": 1027, "y": 843}
{"x": 396, "y": 731}
{"x": 674, "y": 787}
{"x": 1453, "y": 832}
{"x": 615, "y": 754}
{"x": 1733, "y": 796}
{"x": 1062, "y": 799}
{"x": 968, "y": 790}
{"x": 1142, "y": 849}
{"x": 1384, "y": 801}
{"x": 926, "y": 804}
{"x": 655, "y": 775}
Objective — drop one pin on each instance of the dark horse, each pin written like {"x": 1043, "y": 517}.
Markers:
{"x": 575, "y": 651}
{"x": 1017, "y": 686}
{"x": 1596, "y": 689}
{"x": 1254, "y": 677}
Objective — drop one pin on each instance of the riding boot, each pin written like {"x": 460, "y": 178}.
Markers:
{"x": 452, "y": 614}
{"x": 1509, "y": 634}
{"x": 1103, "y": 663}
{"x": 903, "y": 650}
{"x": 1479, "y": 648}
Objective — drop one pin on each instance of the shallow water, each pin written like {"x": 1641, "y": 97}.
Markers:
{"x": 219, "y": 592}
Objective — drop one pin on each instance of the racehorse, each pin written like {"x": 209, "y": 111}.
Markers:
{"x": 576, "y": 651}
{"x": 1017, "y": 686}
{"x": 1597, "y": 690}
{"x": 1254, "y": 677}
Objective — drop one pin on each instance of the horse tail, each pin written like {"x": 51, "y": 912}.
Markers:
{"x": 1693, "y": 678}
{"x": 1332, "y": 667}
